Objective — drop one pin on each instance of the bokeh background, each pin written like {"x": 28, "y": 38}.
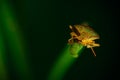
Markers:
{"x": 34, "y": 32}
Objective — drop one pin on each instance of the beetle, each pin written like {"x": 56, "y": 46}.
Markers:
{"x": 84, "y": 35}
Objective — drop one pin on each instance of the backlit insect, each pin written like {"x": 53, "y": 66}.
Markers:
{"x": 82, "y": 35}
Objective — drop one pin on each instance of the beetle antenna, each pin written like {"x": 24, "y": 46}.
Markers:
{"x": 93, "y": 52}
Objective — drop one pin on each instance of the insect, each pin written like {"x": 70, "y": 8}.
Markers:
{"x": 84, "y": 35}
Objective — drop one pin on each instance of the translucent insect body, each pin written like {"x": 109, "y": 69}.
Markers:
{"x": 83, "y": 34}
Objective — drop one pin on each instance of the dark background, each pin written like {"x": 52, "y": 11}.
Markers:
{"x": 44, "y": 24}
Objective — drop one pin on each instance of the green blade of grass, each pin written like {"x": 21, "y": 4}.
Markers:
{"x": 63, "y": 63}
{"x": 15, "y": 40}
